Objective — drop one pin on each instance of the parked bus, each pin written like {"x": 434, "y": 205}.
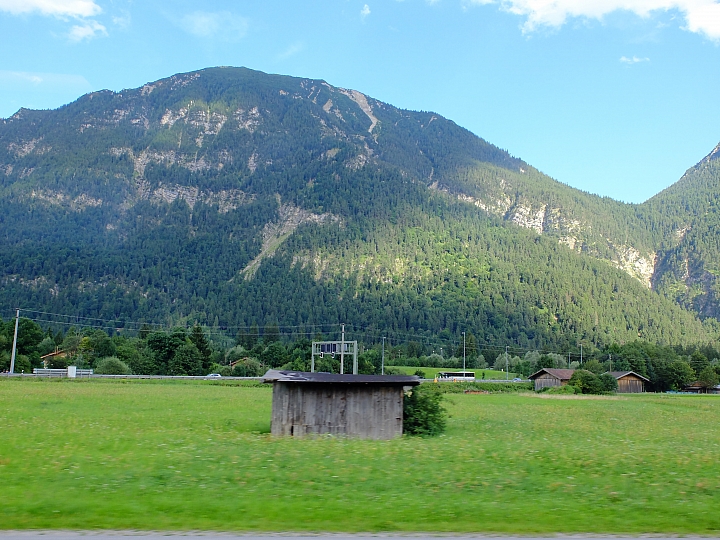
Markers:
{"x": 455, "y": 376}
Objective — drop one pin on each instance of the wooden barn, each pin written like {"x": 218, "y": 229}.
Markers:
{"x": 699, "y": 388}
{"x": 551, "y": 377}
{"x": 361, "y": 406}
{"x": 629, "y": 382}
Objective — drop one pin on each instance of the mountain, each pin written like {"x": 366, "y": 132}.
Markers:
{"x": 689, "y": 259}
{"x": 232, "y": 197}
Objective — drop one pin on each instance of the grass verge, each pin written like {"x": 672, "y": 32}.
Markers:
{"x": 431, "y": 372}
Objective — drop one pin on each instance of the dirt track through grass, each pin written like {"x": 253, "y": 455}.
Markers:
{"x": 175, "y": 456}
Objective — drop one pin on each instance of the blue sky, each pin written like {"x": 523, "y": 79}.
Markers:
{"x": 615, "y": 97}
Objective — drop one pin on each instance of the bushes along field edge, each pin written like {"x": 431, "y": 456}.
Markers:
{"x": 423, "y": 413}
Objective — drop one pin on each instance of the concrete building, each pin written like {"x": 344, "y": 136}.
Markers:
{"x": 361, "y": 406}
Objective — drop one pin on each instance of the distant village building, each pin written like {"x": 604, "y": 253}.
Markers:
{"x": 362, "y": 406}
{"x": 629, "y": 382}
{"x": 698, "y": 388}
{"x": 47, "y": 358}
{"x": 547, "y": 377}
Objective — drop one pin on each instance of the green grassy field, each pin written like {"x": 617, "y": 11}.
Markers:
{"x": 174, "y": 456}
{"x": 430, "y": 372}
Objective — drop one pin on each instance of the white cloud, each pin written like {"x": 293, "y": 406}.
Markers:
{"x": 365, "y": 11}
{"x": 13, "y": 77}
{"x": 54, "y": 80}
{"x": 122, "y": 21}
{"x": 705, "y": 19}
{"x": 292, "y": 50}
{"x": 87, "y": 30}
{"x": 79, "y": 10}
{"x": 221, "y": 25}
{"x": 701, "y": 16}
{"x": 633, "y": 60}
{"x": 57, "y": 8}
{"x": 39, "y": 90}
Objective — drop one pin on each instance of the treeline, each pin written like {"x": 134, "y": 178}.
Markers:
{"x": 179, "y": 351}
{"x": 189, "y": 351}
{"x": 667, "y": 368}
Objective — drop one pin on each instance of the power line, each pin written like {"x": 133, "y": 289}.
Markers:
{"x": 436, "y": 340}
{"x": 399, "y": 337}
{"x": 126, "y": 322}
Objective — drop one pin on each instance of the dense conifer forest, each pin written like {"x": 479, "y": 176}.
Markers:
{"x": 197, "y": 351}
{"x": 229, "y": 198}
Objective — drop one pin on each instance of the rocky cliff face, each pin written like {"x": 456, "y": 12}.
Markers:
{"x": 573, "y": 226}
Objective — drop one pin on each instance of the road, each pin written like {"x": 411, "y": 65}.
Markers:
{"x": 147, "y": 535}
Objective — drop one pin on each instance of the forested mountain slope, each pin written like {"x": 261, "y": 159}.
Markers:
{"x": 689, "y": 259}
{"x": 232, "y": 195}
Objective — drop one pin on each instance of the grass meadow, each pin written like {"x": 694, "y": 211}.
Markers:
{"x": 198, "y": 456}
{"x": 431, "y": 372}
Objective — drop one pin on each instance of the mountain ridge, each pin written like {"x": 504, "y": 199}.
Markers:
{"x": 258, "y": 159}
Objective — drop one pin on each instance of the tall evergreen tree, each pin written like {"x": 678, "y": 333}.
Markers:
{"x": 197, "y": 337}
{"x": 271, "y": 333}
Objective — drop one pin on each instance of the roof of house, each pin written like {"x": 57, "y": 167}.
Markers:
{"x": 698, "y": 384}
{"x": 274, "y": 375}
{"x": 56, "y": 353}
{"x": 621, "y": 374}
{"x": 562, "y": 374}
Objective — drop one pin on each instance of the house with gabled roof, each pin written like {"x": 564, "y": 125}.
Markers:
{"x": 697, "y": 387}
{"x": 47, "y": 358}
{"x": 548, "y": 377}
{"x": 629, "y": 382}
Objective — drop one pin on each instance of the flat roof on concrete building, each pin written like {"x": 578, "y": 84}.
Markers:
{"x": 274, "y": 375}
